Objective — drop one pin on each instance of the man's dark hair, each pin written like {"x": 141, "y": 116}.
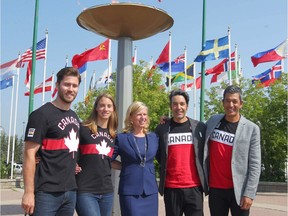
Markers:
{"x": 68, "y": 71}
{"x": 179, "y": 92}
{"x": 233, "y": 90}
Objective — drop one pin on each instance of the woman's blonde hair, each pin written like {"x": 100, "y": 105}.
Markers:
{"x": 91, "y": 122}
{"x": 135, "y": 107}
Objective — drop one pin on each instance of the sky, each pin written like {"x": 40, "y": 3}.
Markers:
{"x": 255, "y": 26}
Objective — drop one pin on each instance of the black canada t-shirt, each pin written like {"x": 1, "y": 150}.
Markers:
{"x": 57, "y": 131}
{"x": 95, "y": 152}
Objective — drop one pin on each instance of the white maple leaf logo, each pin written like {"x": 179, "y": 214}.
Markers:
{"x": 103, "y": 148}
{"x": 72, "y": 141}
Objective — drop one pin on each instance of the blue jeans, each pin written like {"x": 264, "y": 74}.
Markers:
{"x": 55, "y": 203}
{"x": 92, "y": 204}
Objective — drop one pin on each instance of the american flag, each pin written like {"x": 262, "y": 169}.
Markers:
{"x": 40, "y": 52}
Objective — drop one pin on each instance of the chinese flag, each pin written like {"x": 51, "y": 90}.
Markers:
{"x": 100, "y": 52}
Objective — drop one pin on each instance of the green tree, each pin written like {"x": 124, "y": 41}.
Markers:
{"x": 18, "y": 153}
{"x": 146, "y": 88}
{"x": 267, "y": 107}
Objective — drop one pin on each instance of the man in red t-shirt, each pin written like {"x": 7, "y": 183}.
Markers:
{"x": 53, "y": 134}
{"x": 232, "y": 158}
{"x": 180, "y": 154}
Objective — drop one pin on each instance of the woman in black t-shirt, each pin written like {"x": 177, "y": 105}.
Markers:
{"x": 97, "y": 134}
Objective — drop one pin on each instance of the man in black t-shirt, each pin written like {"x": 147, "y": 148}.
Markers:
{"x": 180, "y": 154}
{"x": 52, "y": 133}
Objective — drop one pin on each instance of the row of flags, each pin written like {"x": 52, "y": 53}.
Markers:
{"x": 213, "y": 49}
{"x": 217, "y": 49}
{"x": 8, "y": 70}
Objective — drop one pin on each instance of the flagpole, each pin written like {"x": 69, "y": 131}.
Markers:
{"x": 170, "y": 75}
{"x": 203, "y": 63}
{"x": 84, "y": 77}
{"x": 236, "y": 64}
{"x": 10, "y": 122}
{"x": 66, "y": 62}
{"x": 44, "y": 73}
{"x": 239, "y": 66}
{"x": 109, "y": 63}
{"x": 194, "y": 90}
{"x": 31, "y": 97}
{"x": 15, "y": 120}
{"x": 93, "y": 80}
{"x": 185, "y": 67}
{"x": 109, "y": 73}
{"x": 52, "y": 86}
{"x": 135, "y": 56}
{"x": 229, "y": 53}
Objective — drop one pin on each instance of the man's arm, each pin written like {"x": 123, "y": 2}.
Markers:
{"x": 254, "y": 170}
{"x": 29, "y": 167}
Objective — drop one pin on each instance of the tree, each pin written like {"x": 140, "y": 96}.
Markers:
{"x": 146, "y": 88}
{"x": 267, "y": 107}
{"x": 18, "y": 153}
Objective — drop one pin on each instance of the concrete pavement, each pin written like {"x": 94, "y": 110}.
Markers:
{"x": 265, "y": 204}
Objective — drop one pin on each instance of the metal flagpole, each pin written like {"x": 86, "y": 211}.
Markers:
{"x": 109, "y": 72}
{"x": 170, "y": 75}
{"x": 44, "y": 73}
{"x": 185, "y": 67}
{"x": 84, "y": 78}
{"x": 52, "y": 86}
{"x": 203, "y": 64}
{"x": 135, "y": 56}
{"x": 10, "y": 123}
{"x": 230, "y": 72}
{"x": 236, "y": 64}
{"x": 109, "y": 63}
{"x": 15, "y": 121}
{"x": 194, "y": 90}
{"x": 32, "y": 79}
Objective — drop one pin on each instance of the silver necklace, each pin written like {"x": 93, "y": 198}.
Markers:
{"x": 143, "y": 159}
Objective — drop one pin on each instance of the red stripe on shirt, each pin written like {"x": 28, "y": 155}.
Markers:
{"x": 91, "y": 149}
{"x": 53, "y": 144}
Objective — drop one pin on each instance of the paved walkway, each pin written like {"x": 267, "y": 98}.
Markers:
{"x": 265, "y": 204}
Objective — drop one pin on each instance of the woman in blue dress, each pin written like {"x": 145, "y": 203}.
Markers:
{"x": 137, "y": 147}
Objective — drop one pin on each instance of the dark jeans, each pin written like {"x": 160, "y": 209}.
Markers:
{"x": 221, "y": 200}
{"x": 89, "y": 204}
{"x": 183, "y": 200}
{"x": 55, "y": 204}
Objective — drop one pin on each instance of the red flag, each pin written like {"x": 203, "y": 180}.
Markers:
{"x": 164, "y": 56}
{"x": 274, "y": 54}
{"x": 100, "y": 52}
{"x": 198, "y": 82}
{"x": 222, "y": 66}
{"x": 219, "y": 77}
{"x": 188, "y": 87}
{"x": 28, "y": 74}
{"x": 39, "y": 88}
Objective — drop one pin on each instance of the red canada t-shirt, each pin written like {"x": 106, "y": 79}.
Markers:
{"x": 181, "y": 165}
{"x": 221, "y": 147}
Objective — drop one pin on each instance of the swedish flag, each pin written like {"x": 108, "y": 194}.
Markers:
{"x": 214, "y": 49}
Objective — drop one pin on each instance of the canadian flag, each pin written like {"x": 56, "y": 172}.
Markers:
{"x": 190, "y": 85}
{"x": 39, "y": 88}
